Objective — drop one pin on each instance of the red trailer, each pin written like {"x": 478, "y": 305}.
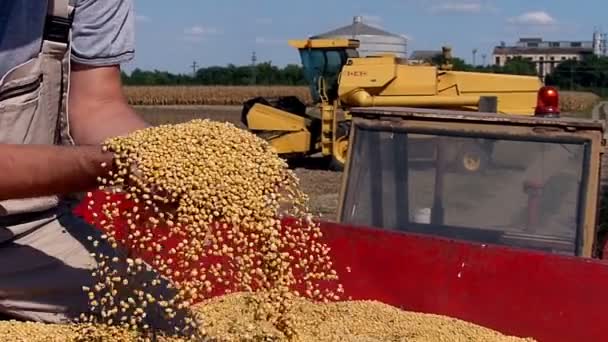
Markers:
{"x": 513, "y": 247}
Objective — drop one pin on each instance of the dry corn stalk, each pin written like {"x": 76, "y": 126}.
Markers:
{"x": 208, "y": 202}
{"x": 209, "y": 95}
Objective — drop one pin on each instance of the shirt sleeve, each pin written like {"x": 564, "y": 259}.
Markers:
{"x": 103, "y": 32}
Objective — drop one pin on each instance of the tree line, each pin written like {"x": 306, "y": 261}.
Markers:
{"x": 515, "y": 66}
{"x": 260, "y": 74}
{"x": 269, "y": 74}
{"x": 590, "y": 73}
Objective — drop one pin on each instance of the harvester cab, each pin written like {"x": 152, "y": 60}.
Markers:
{"x": 538, "y": 191}
{"x": 322, "y": 61}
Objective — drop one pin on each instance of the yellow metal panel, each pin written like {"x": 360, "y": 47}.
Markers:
{"x": 373, "y": 60}
{"x": 413, "y": 80}
{"x": 367, "y": 73}
{"x": 296, "y": 142}
{"x": 262, "y": 117}
{"x": 324, "y": 43}
{"x": 516, "y": 94}
{"x": 327, "y": 128}
{"x": 484, "y": 82}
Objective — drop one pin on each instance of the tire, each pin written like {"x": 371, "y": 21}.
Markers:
{"x": 472, "y": 159}
{"x": 343, "y": 132}
{"x": 336, "y": 165}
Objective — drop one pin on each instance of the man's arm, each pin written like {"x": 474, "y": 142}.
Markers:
{"x": 98, "y": 110}
{"x": 98, "y": 107}
{"x": 38, "y": 170}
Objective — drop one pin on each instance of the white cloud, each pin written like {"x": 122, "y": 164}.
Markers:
{"x": 142, "y": 18}
{"x": 458, "y": 7}
{"x": 539, "y": 18}
{"x": 198, "y": 33}
{"x": 201, "y": 31}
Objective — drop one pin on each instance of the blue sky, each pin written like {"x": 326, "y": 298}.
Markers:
{"x": 173, "y": 34}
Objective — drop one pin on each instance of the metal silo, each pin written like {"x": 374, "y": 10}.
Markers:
{"x": 373, "y": 40}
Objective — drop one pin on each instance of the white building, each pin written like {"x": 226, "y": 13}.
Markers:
{"x": 548, "y": 54}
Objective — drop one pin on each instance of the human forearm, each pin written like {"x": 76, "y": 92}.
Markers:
{"x": 109, "y": 120}
{"x": 98, "y": 107}
{"x": 36, "y": 170}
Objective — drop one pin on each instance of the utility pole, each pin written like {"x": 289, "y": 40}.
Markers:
{"x": 571, "y": 76}
{"x": 194, "y": 65}
{"x": 254, "y": 59}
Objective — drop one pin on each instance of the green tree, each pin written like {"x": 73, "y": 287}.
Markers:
{"x": 518, "y": 66}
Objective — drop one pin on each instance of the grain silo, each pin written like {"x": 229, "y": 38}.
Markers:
{"x": 373, "y": 41}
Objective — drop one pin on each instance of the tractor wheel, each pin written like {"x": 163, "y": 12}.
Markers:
{"x": 472, "y": 159}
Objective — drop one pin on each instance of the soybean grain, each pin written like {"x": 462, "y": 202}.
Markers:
{"x": 220, "y": 194}
{"x": 232, "y": 318}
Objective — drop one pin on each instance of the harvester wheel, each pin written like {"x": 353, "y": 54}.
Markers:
{"x": 340, "y": 149}
{"x": 340, "y": 154}
{"x": 472, "y": 159}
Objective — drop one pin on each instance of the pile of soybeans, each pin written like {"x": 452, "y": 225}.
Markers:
{"x": 231, "y": 318}
{"x": 192, "y": 248}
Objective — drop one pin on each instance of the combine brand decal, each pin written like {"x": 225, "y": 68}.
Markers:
{"x": 356, "y": 73}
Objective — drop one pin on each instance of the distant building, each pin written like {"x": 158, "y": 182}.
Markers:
{"x": 600, "y": 47}
{"x": 423, "y": 56}
{"x": 548, "y": 54}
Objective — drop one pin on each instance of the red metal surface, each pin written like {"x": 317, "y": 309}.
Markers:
{"x": 528, "y": 294}
{"x": 548, "y": 297}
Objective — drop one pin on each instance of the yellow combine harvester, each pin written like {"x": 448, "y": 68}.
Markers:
{"x": 340, "y": 80}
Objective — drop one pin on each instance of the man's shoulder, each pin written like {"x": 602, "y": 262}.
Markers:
{"x": 22, "y": 27}
{"x": 112, "y": 41}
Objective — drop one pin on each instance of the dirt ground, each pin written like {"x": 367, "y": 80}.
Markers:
{"x": 322, "y": 186}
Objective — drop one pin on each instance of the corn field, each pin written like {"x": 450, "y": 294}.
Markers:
{"x": 571, "y": 102}
{"x": 577, "y": 102}
{"x": 208, "y": 95}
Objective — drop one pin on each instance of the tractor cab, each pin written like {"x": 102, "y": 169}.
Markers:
{"x": 537, "y": 189}
{"x": 322, "y": 61}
